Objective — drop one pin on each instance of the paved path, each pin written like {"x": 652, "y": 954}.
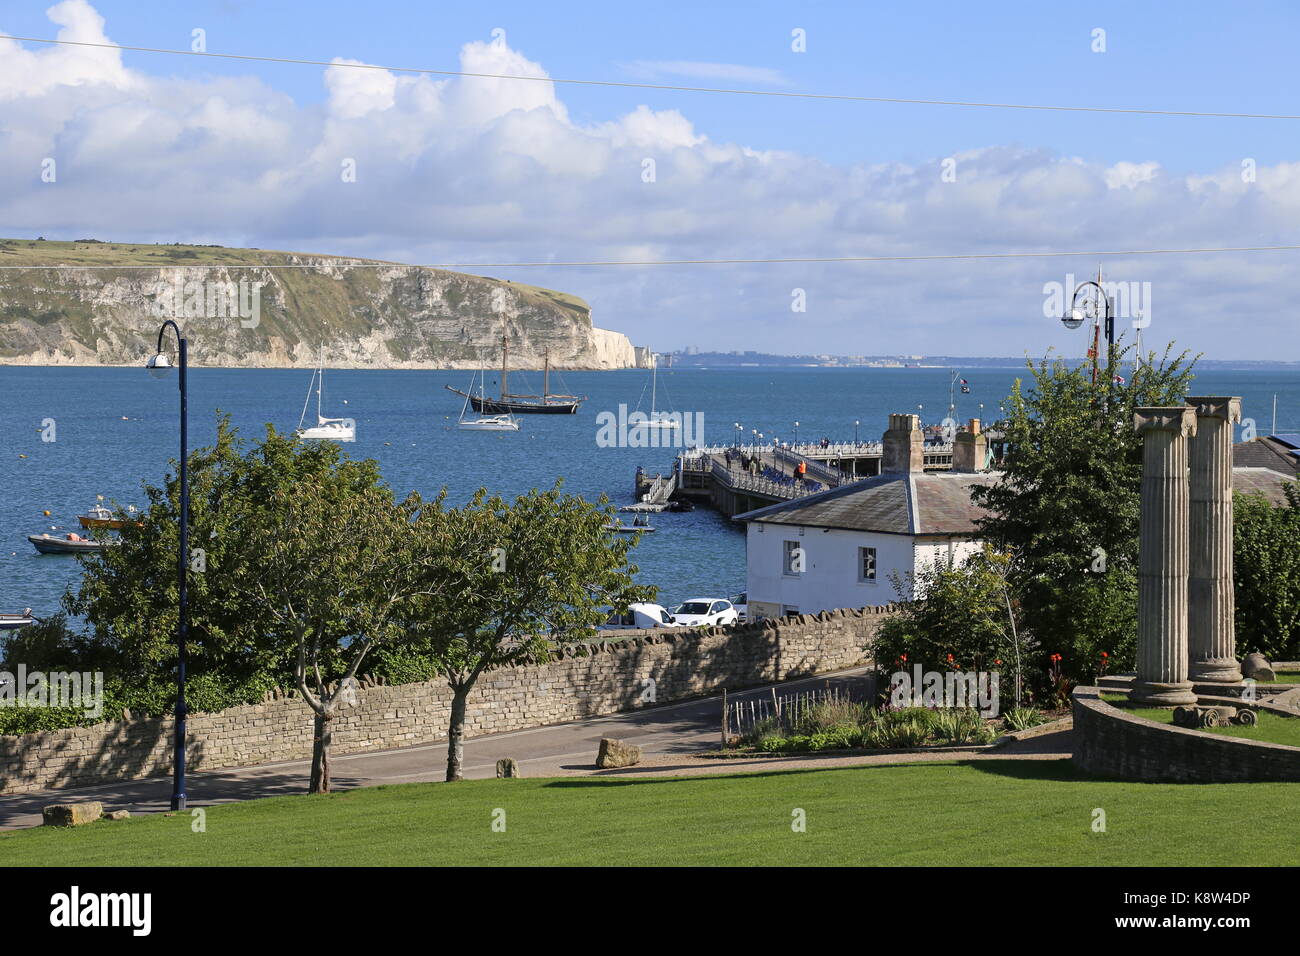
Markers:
{"x": 668, "y": 736}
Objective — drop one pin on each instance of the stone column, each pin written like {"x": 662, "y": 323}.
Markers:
{"x": 1163, "y": 557}
{"x": 1211, "y": 635}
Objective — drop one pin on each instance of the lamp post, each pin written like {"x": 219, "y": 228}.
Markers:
{"x": 1074, "y": 317}
{"x": 158, "y": 366}
{"x": 739, "y": 429}
{"x": 856, "y": 423}
{"x": 796, "y": 434}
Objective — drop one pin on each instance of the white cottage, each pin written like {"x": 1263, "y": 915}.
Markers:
{"x": 840, "y": 548}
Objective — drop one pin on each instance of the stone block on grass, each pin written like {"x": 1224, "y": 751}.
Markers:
{"x": 615, "y": 753}
{"x": 71, "y": 814}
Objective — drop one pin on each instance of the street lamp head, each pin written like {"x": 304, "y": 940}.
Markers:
{"x": 1073, "y": 319}
{"x": 159, "y": 365}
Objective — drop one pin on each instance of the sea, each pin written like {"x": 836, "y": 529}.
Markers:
{"x": 115, "y": 429}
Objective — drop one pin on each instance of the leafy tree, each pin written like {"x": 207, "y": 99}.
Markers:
{"x": 129, "y": 596}
{"x": 962, "y": 617}
{"x": 504, "y": 583}
{"x": 329, "y": 567}
{"x": 1066, "y": 502}
{"x": 1266, "y": 574}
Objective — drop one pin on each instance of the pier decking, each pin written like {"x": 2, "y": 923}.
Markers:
{"x": 718, "y": 475}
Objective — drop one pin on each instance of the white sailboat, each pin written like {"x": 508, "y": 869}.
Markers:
{"x": 664, "y": 421}
{"x": 328, "y": 429}
{"x": 484, "y": 423}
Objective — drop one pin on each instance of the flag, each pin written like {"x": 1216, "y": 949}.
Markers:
{"x": 1119, "y": 380}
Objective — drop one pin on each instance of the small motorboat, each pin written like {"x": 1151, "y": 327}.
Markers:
{"x": 101, "y": 517}
{"x": 638, "y": 524}
{"x": 72, "y": 543}
{"x": 485, "y": 423}
{"x": 10, "y": 622}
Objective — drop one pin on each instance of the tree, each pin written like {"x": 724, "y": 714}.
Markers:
{"x": 503, "y": 583}
{"x": 128, "y": 593}
{"x": 962, "y": 617}
{"x": 332, "y": 571}
{"x": 1266, "y": 574}
{"x": 1067, "y": 500}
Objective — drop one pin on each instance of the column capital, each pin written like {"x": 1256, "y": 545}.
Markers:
{"x": 1227, "y": 407}
{"x": 1165, "y": 418}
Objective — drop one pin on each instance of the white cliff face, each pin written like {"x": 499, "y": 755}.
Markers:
{"x": 384, "y": 316}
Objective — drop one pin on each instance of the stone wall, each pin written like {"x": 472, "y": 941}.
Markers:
{"x": 587, "y": 680}
{"x": 1111, "y": 743}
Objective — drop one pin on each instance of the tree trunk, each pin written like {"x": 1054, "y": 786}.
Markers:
{"x": 320, "y": 755}
{"x": 456, "y": 733}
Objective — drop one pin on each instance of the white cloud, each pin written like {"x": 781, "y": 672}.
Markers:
{"x": 487, "y": 169}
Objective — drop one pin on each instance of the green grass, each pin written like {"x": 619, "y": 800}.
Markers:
{"x": 1288, "y": 677}
{"x": 1272, "y": 728}
{"x": 1021, "y": 812}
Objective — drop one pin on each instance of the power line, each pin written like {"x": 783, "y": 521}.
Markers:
{"x": 329, "y": 263}
{"x": 842, "y": 97}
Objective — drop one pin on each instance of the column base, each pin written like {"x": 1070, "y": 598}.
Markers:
{"x": 1158, "y": 694}
{"x": 1219, "y": 670}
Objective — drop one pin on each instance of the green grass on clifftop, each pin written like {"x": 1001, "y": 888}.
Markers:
{"x": 986, "y": 812}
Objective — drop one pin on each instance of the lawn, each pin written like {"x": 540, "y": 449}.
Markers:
{"x": 985, "y": 812}
{"x": 1288, "y": 677}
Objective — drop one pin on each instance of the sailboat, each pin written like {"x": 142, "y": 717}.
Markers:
{"x": 547, "y": 403}
{"x": 486, "y": 423}
{"x": 329, "y": 429}
{"x": 656, "y": 419}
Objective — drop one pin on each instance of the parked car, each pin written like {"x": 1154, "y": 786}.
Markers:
{"x": 741, "y": 603}
{"x": 639, "y": 617}
{"x": 705, "y": 611}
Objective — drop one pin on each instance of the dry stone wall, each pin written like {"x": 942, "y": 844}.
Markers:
{"x": 585, "y": 680}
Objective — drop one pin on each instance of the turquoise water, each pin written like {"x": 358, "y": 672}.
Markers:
{"x": 117, "y": 427}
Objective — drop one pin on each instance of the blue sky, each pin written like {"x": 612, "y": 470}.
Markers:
{"x": 450, "y": 176}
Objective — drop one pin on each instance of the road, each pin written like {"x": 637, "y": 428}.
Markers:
{"x": 667, "y": 731}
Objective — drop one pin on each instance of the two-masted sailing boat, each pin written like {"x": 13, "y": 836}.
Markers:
{"x": 329, "y": 429}
{"x": 548, "y": 403}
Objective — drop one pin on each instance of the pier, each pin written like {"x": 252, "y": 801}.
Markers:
{"x": 739, "y": 478}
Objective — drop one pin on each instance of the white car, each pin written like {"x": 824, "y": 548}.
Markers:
{"x": 639, "y": 617}
{"x": 741, "y": 603}
{"x": 706, "y": 611}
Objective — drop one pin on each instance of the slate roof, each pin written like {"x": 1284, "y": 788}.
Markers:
{"x": 1276, "y": 452}
{"x": 933, "y": 503}
{"x": 1263, "y": 481}
{"x": 929, "y": 503}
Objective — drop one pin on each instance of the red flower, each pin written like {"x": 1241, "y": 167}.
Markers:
{"x": 1104, "y": 654}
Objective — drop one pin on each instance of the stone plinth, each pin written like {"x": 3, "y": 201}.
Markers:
{"x": 1211, "y": 635}
{"x": 1163, "y": 557}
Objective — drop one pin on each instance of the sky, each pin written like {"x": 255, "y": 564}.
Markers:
{"x": 442, "y": 169}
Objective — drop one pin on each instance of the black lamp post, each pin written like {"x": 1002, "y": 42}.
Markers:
{"x": 796, "y": 433}
{"x": 856, "y": 422}
{"x": 1075, "y": 316}
{"x": 158, "y": 366}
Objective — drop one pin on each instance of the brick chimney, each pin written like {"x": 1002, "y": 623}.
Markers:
{"x": 903, "y": 446}
{"x": 969, "y": 448}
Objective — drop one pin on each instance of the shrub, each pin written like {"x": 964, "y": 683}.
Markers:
{"x": 1022, "y": 718}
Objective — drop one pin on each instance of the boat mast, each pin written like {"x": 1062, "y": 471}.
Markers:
{"x": 505, "y": 346}
{"x": 654, "y": 381}
{"x": 546, "y": 375}
{"x": 320, "y": 383}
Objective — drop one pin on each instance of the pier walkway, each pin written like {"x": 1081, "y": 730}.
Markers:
{"x": 735, "y": 479}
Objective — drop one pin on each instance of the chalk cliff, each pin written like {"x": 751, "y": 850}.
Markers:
{"x": 91, "y": 303}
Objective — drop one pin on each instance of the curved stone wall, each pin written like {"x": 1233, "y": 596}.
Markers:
{"x": 1111, "y": 743}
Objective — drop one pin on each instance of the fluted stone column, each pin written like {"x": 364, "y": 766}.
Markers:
{"x": 1163, "y": 554}
{"x": 1211, "y": 635}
